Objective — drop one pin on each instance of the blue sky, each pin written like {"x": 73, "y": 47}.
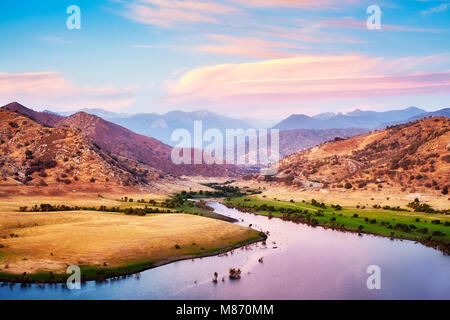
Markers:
{"x": 253, "y": 58}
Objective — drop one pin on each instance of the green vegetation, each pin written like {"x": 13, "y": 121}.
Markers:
{"x": 429, "y": 228}
{"x": 223, "y": 190}
{"x": 45, "y": 207}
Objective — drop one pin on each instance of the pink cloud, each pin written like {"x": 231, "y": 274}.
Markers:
{"x": 50, "y": 88}
{"x": 304, "y": 4}
{"x": 304, "y": 78}
{"x": 349, "y": 22}
{"x": 165, "y": 17}
{"x": 168, "y": 13}
{"x": 247, "y": 46}
{"x": 209, "y": 7}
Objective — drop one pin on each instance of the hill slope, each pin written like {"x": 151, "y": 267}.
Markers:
{"x": 119, "y": 140}
{"x": 34, "y": 155}
{"x": 414, "y": 156}
{"x": 46, "y": 118}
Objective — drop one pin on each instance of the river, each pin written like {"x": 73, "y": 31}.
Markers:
{"x": 299, "y": 262}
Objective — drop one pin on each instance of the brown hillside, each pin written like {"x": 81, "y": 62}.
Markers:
{"x": 414, "y": 156}
{"x": 119, "y": 140}
{"x": 34, "y": 155}
{"x": 45, "y": 118}
{"x": 292, "y": 141}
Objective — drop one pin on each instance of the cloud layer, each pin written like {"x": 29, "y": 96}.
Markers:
{"x": 308, "y": 78}
{"x": 51, "y": 88}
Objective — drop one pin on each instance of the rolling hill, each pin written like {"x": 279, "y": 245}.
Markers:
{"x": 413, "y": 156}
{"x": 34, "y": 155}
{"x": 119, "y": 140}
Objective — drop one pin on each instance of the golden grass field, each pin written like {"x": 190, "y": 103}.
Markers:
{"x": 50, "y": 241}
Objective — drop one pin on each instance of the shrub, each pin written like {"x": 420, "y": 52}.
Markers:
{"x": 348, "y": 185}
{"x": 177, "y": 246}
{"x": 29, "y": 154}
{"x": 445, "y": 190}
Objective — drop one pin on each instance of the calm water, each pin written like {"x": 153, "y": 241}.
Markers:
{"x": 299, "y": 262}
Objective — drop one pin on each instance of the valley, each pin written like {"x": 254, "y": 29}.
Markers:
{"x": 80, "y": 190}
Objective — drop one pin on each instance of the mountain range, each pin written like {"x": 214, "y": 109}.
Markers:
{"x": 161, "y": 126}
{"x": 354, "y": 119}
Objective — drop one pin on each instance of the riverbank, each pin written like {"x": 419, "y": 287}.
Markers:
{"x": 429, "y": 229}
{"x": 37, "y": 247}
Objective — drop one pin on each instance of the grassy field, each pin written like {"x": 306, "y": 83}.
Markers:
{"x": 399, "y": 224}
{"x": 38, "y": 246}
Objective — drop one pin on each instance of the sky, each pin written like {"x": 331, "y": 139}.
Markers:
{"x": 241, "y": 58}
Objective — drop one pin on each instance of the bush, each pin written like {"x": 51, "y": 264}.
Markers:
{"x": 348, "y": 185}
{"x": 29, "y": 154}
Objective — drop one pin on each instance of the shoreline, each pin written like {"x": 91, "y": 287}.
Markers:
{"x": 102, "y": 274}
{"x": 439, "y": 246}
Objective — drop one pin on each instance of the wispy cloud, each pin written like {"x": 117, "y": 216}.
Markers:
{"x": 440, "y": 8}
{"x": 51, "y": 88}
{"x": 169, "y": 13}
{"x": 249, "y": 46}
{"x": 306, "y": 78}
{"x": 304, "y": 4}
{"x": 350, "y": 22}
{"x": 54, "y": 39}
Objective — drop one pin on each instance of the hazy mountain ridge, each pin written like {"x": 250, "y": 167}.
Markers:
{"x": 354, "y": 119}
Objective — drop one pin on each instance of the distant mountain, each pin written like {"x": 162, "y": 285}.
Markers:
{"x": 439, "y": 113}
{"x": 354, "y": 119}
{"x": 161, "y": 126}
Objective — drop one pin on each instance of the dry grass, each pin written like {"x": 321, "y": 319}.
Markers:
{"x": 54, "y": 240}
{"x": 50, "y": 241}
